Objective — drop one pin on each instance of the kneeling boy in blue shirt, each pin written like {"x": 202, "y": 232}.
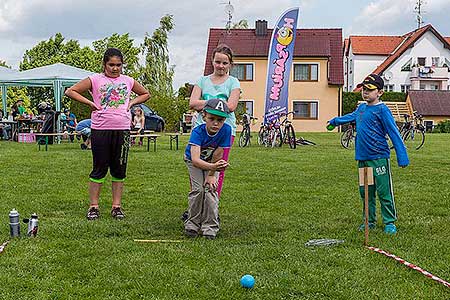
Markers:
{"x": 203, "y": 157}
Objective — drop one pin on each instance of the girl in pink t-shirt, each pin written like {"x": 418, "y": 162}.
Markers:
{"x": 110, "y": 129}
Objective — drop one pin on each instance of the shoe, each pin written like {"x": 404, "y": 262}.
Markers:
{"x": 184, "y": 216}
{"x": 209, "y": 237}
{"x": 191, "y": 233}
{"x": 390, "y": 228}
{"x": 83, "y": 147}
{"x": 117, "y": 213}
{"x": 93, "y": 213}
{"x": 362, "y": 227}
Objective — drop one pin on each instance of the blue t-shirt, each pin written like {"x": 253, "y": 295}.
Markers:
{"x": 373, "y": 122}
{"x": 71, "y": 119}
{"x": 83, "y": 124}
{"x": 219, "y": 91}
{"x": 208, "y": 143}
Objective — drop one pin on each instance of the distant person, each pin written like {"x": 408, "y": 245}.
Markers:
{"x": 84, "y": 128}
{"x": 374, "y": 121}
{"x": 138, "y": 124}
{"x": 71, "y": 122}
{"x": 204, "y": 159}
{"x": 110, "y": 127}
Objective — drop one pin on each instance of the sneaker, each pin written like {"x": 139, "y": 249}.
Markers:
{"x": 184, "y": 216}
{"x": 390, "y": 228}
{"x": 83, "y": 147}
{"x": 117, "y": 213}
{"x": 362, "y": 227}
{"x": 191, "y": 233}
{"x": 93, "y": 213}
{"x": 209, "y": 237}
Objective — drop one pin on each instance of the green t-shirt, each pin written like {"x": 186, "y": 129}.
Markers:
{"x": 220, "y": 91}
{"x": 21, "y": 110}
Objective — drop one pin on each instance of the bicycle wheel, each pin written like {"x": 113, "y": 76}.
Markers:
{"x": 302, "y": 141}
{"x": 347, "y": 139}
{"x": 414, "y": 139}
{"x": 289, "y": 137}
{"x": 244, "y": 138}
{"x": 261, "y": 135}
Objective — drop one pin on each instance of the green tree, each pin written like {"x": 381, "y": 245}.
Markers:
{"x": 3, "y": 64}
{"x": 242, "y": 24}
{"x": 157, "y": 74}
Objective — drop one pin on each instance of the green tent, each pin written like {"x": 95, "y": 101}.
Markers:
{"x": 59, "y": 76}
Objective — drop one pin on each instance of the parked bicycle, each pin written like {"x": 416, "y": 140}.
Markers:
{"x": 244, "y": 138}
{"x": 412, "y": 131}
{"x": 348, "y": 136}
{"x": 288, "y": 132}
{"x": 270, "y": 134}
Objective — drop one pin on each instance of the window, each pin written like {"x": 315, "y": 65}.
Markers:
{"x": 245, "y": 106}
{"x": 435, "y": 61}
{"x": 422, "y": 86}
{"x": 243, "y": 72}
{"x": 388, "y": 88}
{"x": 407, "y": 67}
{"x": 306, "y": 110}
{"x": 421, "y": 61}
{"x": 447, "y": 64}
{"x": 434, "y": 87}
{"x": 306, "y": 72}
{"x": 405, "y": 88}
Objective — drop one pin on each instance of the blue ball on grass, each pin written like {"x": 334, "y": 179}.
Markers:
{"x": 247, "y": 281}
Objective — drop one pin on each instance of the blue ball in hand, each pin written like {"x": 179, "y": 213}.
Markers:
{"x": 247, "y": 281}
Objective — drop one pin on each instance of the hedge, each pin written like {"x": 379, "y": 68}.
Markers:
{"x": 350, "y": 99}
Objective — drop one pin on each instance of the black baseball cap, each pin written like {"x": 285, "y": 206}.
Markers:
{"x": 217, "y": 107}
{"x": 371, "y": 82}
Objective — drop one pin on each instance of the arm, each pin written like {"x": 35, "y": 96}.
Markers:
{"x": 348, "y": 118}
{"x": 195, "y": 102}
{"x": 392, "y": 130}
{"x": 211, "y": 179}
{"x": 75, "y": 92}
{"x": 142, "y": 122}
{"x": 204, "y": 165}
{"x": 143, "y": 94}
{"x": 233, "y": 100}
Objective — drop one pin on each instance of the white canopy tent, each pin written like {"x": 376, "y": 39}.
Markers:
{"x": 59, "y": 76}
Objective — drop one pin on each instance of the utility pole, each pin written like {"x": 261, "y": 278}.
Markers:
{"x": 419, "y": 11}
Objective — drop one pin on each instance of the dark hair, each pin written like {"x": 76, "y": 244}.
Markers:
{"x": 110, "y": 52}
{"x": 224, "y": 49}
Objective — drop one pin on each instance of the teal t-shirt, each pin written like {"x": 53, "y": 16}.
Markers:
{"x": 220, "y": 91}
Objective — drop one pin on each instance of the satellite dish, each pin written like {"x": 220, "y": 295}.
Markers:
{"x": 388, "y": 75}
{"x": 229, "y": 9}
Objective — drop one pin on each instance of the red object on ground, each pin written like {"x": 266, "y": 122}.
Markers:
{"x": 410, "y": 265}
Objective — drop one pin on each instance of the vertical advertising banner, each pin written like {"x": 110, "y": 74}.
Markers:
{"x": 281, "y": 52}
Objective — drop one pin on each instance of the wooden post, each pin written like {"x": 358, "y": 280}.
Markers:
{"x": 366, "y": 208}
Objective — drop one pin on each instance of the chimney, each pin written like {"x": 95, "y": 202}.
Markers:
{"x": 261, "y": 27}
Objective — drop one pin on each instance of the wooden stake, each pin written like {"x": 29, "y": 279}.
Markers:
{"x": 366, "y": 208}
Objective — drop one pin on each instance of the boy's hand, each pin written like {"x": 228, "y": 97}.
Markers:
{"x": 211, "y": 182}
{"x": 220, "y": 165}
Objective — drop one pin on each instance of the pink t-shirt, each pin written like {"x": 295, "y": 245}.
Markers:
{"x": 113, "y": 95}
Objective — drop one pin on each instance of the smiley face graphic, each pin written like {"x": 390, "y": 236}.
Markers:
{"x": 285, "y": 36}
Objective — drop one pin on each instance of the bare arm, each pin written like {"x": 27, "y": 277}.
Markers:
{"x": 195, "y": 102}
{"x": 143, "y": 94}
{"x": 233, "y": 100}
{"x": 217, "y": 155}
{"x": 204, "y": 165}
{"x": 75, "y": 92}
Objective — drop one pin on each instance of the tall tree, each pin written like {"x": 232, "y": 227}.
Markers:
{"x": 157, "y": 74}
{"x": 242, "y": 24}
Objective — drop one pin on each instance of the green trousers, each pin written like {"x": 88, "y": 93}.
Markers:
{"x": 383, "y": 187}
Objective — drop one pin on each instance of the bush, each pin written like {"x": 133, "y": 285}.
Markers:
{"x": 442, "y": 127}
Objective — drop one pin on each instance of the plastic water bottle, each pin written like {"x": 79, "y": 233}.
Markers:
{"x": 14, "y": 224}
{"x": 33, "y": 223}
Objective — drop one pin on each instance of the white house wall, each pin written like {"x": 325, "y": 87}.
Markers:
{"x": 363, "y": 65}
{"x": 427, "y": 46}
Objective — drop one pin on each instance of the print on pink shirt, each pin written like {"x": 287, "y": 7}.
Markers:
{"x": 113, "y": 95}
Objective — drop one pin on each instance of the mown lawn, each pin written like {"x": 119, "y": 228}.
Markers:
{"x": 273, "y": 202}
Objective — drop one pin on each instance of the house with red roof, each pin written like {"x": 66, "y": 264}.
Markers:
{"x": 434, "y": 106}
{"x": 417, "y": 60}
{"x": 316, "y": 80}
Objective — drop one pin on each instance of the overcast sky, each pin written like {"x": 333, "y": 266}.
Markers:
{"x": 23, "y": 23}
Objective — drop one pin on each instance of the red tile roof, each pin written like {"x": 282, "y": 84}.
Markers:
{"x": 308, "y": 43}
{"x": 447, "y": 39}
{"x": 409, "y": 39}
{"x": 374, "y": 45}
{"x": 430, "y": 103}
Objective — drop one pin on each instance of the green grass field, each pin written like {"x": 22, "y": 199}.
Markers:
{"x": 273, "y": 202}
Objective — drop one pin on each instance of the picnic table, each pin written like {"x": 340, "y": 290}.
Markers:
{"x": 151, "y": 137}
{"x": 52, "y": 135}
